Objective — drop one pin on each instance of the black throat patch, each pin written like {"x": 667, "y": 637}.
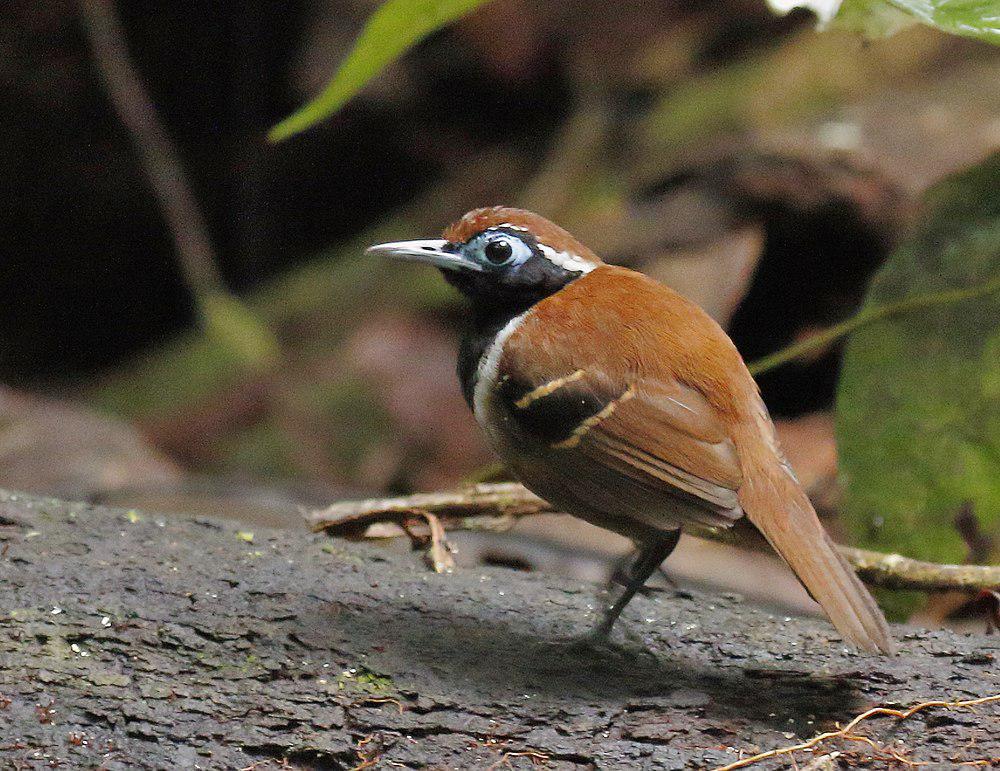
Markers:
{"x": 497, "y": 295}
{"x": 475, "y": 342}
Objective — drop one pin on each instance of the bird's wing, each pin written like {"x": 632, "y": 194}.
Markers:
{"x": 659, "y": 434}
{"x": 638, "y": 384}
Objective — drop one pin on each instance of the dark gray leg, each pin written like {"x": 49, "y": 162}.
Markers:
{"x": 650, "y": 557}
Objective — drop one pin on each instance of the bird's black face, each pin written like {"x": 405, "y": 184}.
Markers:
{"x": 500, "y": 269}
{"x": 514, "y": 270}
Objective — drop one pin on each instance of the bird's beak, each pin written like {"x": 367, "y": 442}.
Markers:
{"x": 432, "y": 251}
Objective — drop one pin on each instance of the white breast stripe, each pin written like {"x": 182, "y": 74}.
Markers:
{"x": 567, "y": 260}
{"x": 486, "y": 372}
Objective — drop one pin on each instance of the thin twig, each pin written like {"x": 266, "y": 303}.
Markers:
{"x": 367, "y": 758}
{"x": 894, "y": 571}
{"x": 224, "y": 317}
{"x": 439, "y": 553}
{"x": 845, "y": 732}
{"x": 534, "y": 756}
{"x": 977, "y": 541}
{"x": 867, "y": 316}
{"x": 363, "y": 702}
{"x": 495, "y": 500}
{"x": 490, "y": 506}
{"x": 159, "y": 157}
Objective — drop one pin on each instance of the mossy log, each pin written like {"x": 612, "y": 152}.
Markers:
{"x": 129, "y": 640}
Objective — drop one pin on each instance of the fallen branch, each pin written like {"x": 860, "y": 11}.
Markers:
{"x": 496, "y": 506}
{"x": 486, "y": 506}
{"x": 845, "y": 732}
{"x": 894, "y": 571}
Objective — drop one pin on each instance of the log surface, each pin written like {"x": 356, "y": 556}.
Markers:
{"x": 131, "y": 640}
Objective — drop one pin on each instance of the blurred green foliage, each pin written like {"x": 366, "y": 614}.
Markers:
{"x": 969, "y": 18}
{"x": 239, "y": 330}
{"x": 878, "y": 18}
{"x": 918, "y": 407}
{"x": 807, "y": 77}
{"x": 398, "y": 25}
{"x": 395, "y": 27}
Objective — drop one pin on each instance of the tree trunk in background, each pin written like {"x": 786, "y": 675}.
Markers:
{"x": 128, "y": 640}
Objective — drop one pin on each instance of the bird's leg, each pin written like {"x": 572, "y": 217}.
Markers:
{"x": 648, "y": 560}
{"x": 622, "y": 569}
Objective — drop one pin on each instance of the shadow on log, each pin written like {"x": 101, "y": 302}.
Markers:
{"x": 128, "y": 640}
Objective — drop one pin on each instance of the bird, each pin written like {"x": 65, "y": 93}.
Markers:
{"x": 622, "y": 403}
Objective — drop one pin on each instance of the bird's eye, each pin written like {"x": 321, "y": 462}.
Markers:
{"x": 498, "y": 251}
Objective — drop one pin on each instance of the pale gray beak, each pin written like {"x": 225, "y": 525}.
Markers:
{"x": 431, "y": 251}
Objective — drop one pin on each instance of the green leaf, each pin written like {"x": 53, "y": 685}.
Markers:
{"x": 970, "y": 18}
{"x": 395, "y": 27}
{"x": 918, "y": 405}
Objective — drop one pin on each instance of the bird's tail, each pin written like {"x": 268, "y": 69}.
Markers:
{"x": 777, "y": 505}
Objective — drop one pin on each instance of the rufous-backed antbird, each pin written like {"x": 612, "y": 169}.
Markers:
{"x": 622, "y": 403}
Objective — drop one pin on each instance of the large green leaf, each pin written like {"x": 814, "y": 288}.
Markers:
{"x": 969, "y": 18}
{"x": 918, "y": 406}
{"x": 395, "y": 27}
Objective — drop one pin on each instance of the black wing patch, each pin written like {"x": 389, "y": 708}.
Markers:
{"x": 553, "y": 413}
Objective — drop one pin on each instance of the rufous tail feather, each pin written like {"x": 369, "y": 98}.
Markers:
{"x": 776, "y": 504}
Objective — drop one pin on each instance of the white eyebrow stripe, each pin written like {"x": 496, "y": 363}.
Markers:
{"x": 567, "y": 260}
{"x": 512, "y": 227}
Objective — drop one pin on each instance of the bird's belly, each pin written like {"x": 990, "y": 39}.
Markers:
{"x": 603, "y": 497}
{"x": 596, "y": 495}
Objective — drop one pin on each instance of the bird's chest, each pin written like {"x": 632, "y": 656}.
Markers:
{"x": 527, "y": 415}
{"x": 482, "y": 377}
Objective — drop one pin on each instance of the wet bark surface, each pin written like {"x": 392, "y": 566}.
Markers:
{"x": 132, "y": 640}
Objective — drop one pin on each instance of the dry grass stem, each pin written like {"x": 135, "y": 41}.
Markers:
{"x": 846, "y": 732}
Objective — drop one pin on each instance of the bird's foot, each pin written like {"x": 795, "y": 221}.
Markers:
{"x": 593, "y": 645}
